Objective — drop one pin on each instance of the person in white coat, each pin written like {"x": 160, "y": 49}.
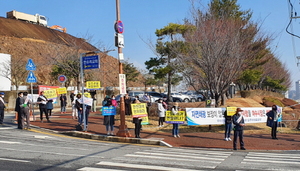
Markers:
{"x": 161, "y": 113}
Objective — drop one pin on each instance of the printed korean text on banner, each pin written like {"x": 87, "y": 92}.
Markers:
{"x": 43, "y": 88}
{"x": 61, "y": 90}
{"x": 213, "y": 116}
{"x": 178, "y": 118}
{"x": 93, "y": 85}
{"x": 50, "y": 94}
{"x": 88, "y": 101}
{"x": 109, "y": 110}
{"x": 138, "y": 110}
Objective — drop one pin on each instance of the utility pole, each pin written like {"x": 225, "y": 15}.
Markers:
{"x": 123, "y": 131}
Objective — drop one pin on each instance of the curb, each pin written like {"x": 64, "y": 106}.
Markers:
{"x": 105, "y": 137}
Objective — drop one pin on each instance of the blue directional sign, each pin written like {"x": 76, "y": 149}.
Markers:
{"x": 30, "y": 66}
{"x": 31, "y": 78}
{"x": 90, "y": 62}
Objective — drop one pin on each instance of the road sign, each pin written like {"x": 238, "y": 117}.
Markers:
{"x": 30, "y": 66}
{"x": 122, "y": 83}
{"x": 119, "y": 27}
{"x": 90, "y": 62}
{"x": 62, "y": 78}
{"x": 119, "y": 40}
{"x": 31, "y": 78}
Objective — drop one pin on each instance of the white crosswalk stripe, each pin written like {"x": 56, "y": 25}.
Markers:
{"x": 7, "y": 127}
{"x": 276, "y": 159}
{"x": 164, "y": 159}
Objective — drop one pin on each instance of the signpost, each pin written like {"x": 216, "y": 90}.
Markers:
{"x": 90, "y": 62}
{"x": 30, "y": 66}
{"x": 119, "y": 27}
{"x": 31, "y": 78}
{"x": 62, "y": 79}
{"x": 87, "y": 62}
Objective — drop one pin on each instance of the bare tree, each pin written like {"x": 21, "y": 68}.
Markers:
{"x": 216, "y": 53}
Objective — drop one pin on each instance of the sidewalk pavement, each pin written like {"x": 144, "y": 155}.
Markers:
{"x": 64, "y": 124}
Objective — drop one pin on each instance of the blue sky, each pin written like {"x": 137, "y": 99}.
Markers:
{"x": 95, "y": 18}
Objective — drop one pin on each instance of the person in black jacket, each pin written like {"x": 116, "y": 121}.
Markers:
{"x": 273, "y": 116}
{"x": 79, "y": 107}
{"x": 63, "y": 103}
{"x": 239, "y": 123}
{"x": 42, "y": 101}
{"x": 2, "y": 107}
{"x": 18, "y": 110}
{"x": 137, "y": 122}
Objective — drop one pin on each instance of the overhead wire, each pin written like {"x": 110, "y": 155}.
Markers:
{"x": 291, "y": 33}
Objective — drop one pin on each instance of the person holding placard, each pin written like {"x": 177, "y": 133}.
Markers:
{"x": 228, "y": 126}
{"x": 42, "y": 101}
{"x": 239, "y": 123}
{"x": 137, "y": 122}
{"x": 109, "y": 120}
{"x": 175, "y": 130}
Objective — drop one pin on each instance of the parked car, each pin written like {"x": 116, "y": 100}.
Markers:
{"x": 174, "y": 99}
{"x": 195, "y": 96}
{"x": 133, "y": 94}
{"x": 154, "y": 96}
{"x": 184, "y": 97}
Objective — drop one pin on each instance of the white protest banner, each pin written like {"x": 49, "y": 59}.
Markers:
{"x": 86, "y": 100}
{"x": 213, "y": 116}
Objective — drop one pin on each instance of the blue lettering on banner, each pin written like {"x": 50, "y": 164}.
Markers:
{"x": 198, "y": 114}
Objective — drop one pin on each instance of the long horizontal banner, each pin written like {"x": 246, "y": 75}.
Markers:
{"x": 215, "y": 116}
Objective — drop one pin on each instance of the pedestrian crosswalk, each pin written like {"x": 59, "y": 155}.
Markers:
{"x": 164, "y": 159}
{"x": 180, "y": 159}
{"x": 271, "y": 160}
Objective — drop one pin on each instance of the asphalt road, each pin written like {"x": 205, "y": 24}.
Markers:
{"x": 38, "y": 151}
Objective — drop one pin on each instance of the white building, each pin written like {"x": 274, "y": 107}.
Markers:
{"x": 297, "y": 90}
{"x": 5, "y": 60}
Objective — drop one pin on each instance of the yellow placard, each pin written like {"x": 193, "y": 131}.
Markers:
{"x": 145, "y": 120}
{"x": 87, "y": 94}
{"x": 61, "y": 90}
{"x": 231, "y": 111}
{"x": 93, "y": 85}
{"x": 50, "y": 94}
{"x": 138, "y": 110}
{"x": 179, "y": 117}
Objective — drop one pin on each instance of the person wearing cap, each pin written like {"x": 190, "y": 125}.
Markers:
{"x": 175, "y": 130}
{"x": 2, "y": 107}
{"x": 239, "y": 123}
